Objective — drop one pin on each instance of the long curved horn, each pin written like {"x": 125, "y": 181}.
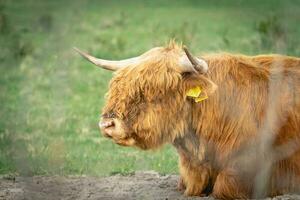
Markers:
{"x": 108, "y": 64}
{"x": 195, "y": 64}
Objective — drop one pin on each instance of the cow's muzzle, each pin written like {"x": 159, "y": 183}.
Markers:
{"x": 106, "y": 126}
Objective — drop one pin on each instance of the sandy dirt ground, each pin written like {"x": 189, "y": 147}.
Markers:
{"x": 141, "y": 185}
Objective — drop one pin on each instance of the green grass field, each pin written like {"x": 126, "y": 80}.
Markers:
{"x": 51, "y": 98}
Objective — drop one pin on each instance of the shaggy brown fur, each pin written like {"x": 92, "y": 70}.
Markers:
{"x": 247, "y": 129}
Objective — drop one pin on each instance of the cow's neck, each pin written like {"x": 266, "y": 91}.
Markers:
{"x": 189, "y": 146}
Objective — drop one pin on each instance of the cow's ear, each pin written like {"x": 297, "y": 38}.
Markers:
{"x": 198, "y": 85}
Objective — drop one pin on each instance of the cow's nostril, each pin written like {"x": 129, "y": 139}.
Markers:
{"x": 106, "y": 124}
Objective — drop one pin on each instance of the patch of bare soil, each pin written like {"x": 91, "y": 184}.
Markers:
{"x": 141, "y": 185}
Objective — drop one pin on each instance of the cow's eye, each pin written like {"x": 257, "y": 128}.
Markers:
{"x": 109, "y": 115}
{"x": 186, "y": 74}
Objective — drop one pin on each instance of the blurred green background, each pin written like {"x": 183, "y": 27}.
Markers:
{"x": 51, "y": 98}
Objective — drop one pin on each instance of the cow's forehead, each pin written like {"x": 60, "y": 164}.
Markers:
{"x": 155, "y": 67}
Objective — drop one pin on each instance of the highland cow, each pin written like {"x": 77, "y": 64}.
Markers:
{"x": 234, "y": 119}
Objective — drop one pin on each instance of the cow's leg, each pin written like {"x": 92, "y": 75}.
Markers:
{"x": 181, "y": 185}
{"x": 228, "y": 185}
{"x": 194, "y": 177}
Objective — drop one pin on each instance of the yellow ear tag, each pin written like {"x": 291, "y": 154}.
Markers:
{"x": 197, "y": 94}
{"x": 194, "y": 92}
